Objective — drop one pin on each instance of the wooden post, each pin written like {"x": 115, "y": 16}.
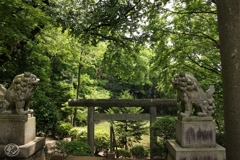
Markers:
{"x": 91, "y": 128}
{"x": 153, "y": 118}
{"x": 111, "y": 138}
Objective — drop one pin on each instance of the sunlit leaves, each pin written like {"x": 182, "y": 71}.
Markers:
{"x": 20, "y": 22}
{"x": 186, "y": 39}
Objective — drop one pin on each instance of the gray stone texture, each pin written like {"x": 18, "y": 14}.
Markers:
{"x": 21, "y": 130}
{"x": 31, "y": 150}
{"x": 17, "y": 129}
{"x": 176, "y": 152}
{"x": 196, "y": 132}
{"x": 195, "y": 140}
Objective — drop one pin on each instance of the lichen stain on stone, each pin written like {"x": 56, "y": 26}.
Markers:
{"x": 190, "y": 135}
{"x": 234, "y": 53}
{"x": 237, "y": 66}
{"x": 204, "y": 135}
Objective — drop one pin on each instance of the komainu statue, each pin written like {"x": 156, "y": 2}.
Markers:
{"x": 192, "y": 96}
{"x": 16, "y": 99}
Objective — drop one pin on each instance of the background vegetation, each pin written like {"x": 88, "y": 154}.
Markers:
{"x": 97, "y": 49}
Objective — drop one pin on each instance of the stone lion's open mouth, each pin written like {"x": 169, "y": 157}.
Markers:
{"x": 35, "y": 83}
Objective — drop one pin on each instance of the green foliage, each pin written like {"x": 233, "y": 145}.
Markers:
{"x": 101, "y": 138}
{"x": 74, "y": 132}
{"x": 78, "y": 148}
{"x": 101, "y": 20}
{"x": 21, "y": 21}
{"x": 161, "y": 149}
{"x": 127, "y": 131}
{"x": 138, "y": 151}
{"x": 163, "y": 129}
{"x": 68, "y": 112}
{"x": 63, "y": 130}
{"x": 75, "y": 148}
{"x": 101, "y": 141}
{"x": 60, "y": 147}
{"x": 123, "y": 153}
{"x": 78, "y": 134}
{"x": 82, "y": 136}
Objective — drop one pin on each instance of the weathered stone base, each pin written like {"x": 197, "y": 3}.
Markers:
{"x": 111, "y": 156}
{"x": 17, "y": 129}
{"x": 176, "y": 152}
{"x": 33, "y": 150}
{"x": 196, "y": 132}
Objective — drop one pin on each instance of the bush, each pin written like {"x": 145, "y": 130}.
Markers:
{"x": 101, "y": 141}
{"x": 77, "y": 148}
{"x": 138, "y": 151}
{"x": 63, "y": 130}
{"x": 82, "y": 136}
{"x": 160, "y": 150}
{"x": 163, "y": 129}
{"x": 124, "y": 153}
{"x": 74, "y": 132}
{"x": 60, "y": 147}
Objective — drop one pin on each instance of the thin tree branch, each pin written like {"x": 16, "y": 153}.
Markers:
{"x": 202, "y": 66}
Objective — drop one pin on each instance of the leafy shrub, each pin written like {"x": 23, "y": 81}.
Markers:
{"x": 160, "y": 150}
{"x": 63, "y": 130}
{"x": 138, "y": 151}
{"x": 60, "y": 147}
{"x": 77, "y": 148}
{"x": 82, "y": 136}
{"x": 74, "y": 132}
{"x": 101, "y": 141}
{"x": 163, "y": 129}
{"x": 124, "y": 153}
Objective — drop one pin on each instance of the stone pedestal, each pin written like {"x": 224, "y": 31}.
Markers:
{"x": 195, "y": 139}
{"x": 111, "y": 156}
{"x": 17, "y": 129}
{"x": 196, "y": 132}
{"x": 20, "y": 130}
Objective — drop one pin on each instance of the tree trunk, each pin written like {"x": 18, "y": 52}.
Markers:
{"x": 229, "y": 32}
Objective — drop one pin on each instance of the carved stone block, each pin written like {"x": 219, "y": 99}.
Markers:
{"x": 178, "y": 153}
{"x": 31, "y": 151}
{"x": 196, "y": 132}
{"x": 17, "y": 129}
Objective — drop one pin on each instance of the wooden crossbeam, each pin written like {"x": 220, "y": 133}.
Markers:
{"x": 123, "y": 102}
{"x": 133, "y": 117}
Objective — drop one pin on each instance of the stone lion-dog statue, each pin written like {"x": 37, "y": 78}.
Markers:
{"x": 16, "y": 99}
{"x": 192, "y": 96}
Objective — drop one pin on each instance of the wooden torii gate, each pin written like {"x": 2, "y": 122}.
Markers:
{"x": 91, "y": 103}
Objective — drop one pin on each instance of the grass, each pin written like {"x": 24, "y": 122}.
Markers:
{"x": 99, "y": 126}
{"x": 103, "y": 126}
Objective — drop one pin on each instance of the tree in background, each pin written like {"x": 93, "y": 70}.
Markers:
{"x": 185, "y": 39}
{"x": 21, "y": 21}
{"x": 127, "y": 131}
